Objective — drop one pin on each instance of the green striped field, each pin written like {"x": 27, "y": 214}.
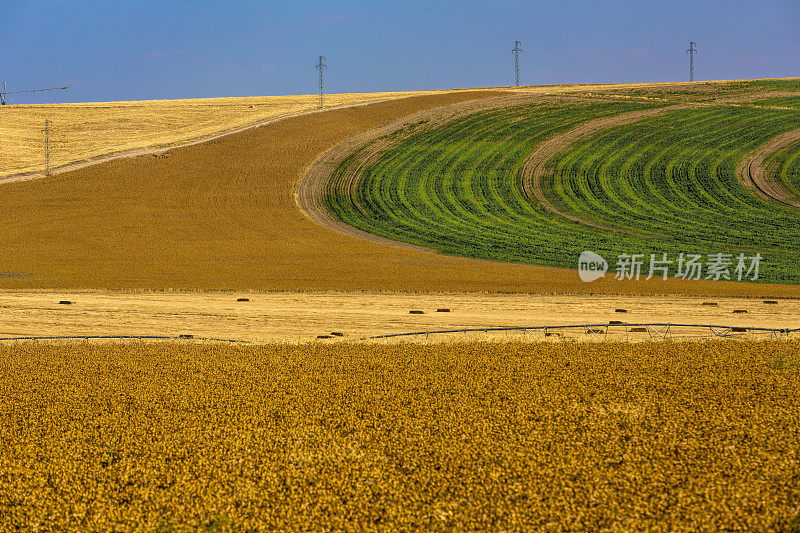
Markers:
{"x": 665, "y": 184}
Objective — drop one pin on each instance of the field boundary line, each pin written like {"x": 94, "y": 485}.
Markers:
{"x": 13, "y": 178}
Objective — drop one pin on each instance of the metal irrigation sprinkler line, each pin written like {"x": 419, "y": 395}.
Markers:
{"x": 715, "y": 329}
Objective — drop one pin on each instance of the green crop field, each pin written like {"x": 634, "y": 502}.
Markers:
{"x": 663, "y": 185}
{"x": 786, "y": 165}
{"x": 780, "y": 101}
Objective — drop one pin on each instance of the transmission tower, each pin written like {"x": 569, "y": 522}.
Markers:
{"x": 47, "y": 131}
{"x": 321, "y": 66}
{"x": 5, "y": 95}
{"x": 516, "y": 51}
{"x": 692, "y": 51}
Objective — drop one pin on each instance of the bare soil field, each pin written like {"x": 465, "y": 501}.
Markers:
{"x": 299, "y": 316}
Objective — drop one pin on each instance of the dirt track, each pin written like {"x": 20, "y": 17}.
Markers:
{"x": 535, "y": 169}
{"x": 754, "y": 174}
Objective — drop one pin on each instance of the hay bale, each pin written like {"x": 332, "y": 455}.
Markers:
{"x": 65, "y": 302}
{"x": 416, "y": 312}
{"x": 620, "y": 310}
{"x": 739, "y": 311}
{"x": 638, "y": 330}
{"x": 337, "y": 334}
{"x": 712, "y": 304}
{"x": 323, "y": 336}
{"x": 186, "y": 336}
{"x": 739, "y": 330}
{"x": 600, "y": 331}
{"x": 771, "y": 302}
{"x": 443, "y": 310}
{"x": 615, "y": 322}
{"x": 242, "y": 299}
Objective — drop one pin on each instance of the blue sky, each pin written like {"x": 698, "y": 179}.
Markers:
{"x": 131, "y": 50}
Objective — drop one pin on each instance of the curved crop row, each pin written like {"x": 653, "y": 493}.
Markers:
{"x": 667, "y": 184}
{"x": 454, "y": 188}
{"x": 786, "y": 167}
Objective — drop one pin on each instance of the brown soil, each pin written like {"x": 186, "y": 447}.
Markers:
{"x": 754, "y": 174}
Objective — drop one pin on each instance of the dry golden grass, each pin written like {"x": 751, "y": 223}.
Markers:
{"x": 221, "y": 216}
{"x": 463, "y": 437}
{"x": 298, "y": 316}
{"x": 86, "y": 131}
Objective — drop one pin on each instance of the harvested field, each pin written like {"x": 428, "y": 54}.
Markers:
{"x": 468, "y": 436}
{"x": 300, "y": 317}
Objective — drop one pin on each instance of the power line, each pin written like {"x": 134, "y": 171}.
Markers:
{"x": 4, "y": 94}
{"x": 692, "y": 51}
{"x": 516, "y": 51}
{"x": 321, "y": 66}
{"x": 47, "y": 130}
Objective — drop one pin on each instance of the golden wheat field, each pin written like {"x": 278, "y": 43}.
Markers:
{"x": 504, "y": 436}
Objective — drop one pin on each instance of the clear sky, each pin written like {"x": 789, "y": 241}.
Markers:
{"x": 131, "y": 50}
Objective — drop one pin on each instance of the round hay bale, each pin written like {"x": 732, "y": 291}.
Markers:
{"x": 242, "y": 299}
{"x": 620, "y": 310}
{"x": 443, "y": 310}
{"x": 337, "y": 334}
{"x": 185, "y": 336}
{"x": 323, "y": 336}
{"x": 712, "y": 304}
{"x": 771, "y": 302}
{"x": 615, "y": 322}
{"x": 65, "y": 302}
{"x": 739, "y": 311}
{"x": 638, "y": 330}
{"x": 416, "y": 312}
